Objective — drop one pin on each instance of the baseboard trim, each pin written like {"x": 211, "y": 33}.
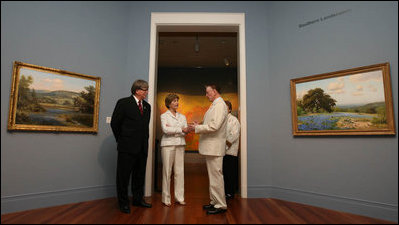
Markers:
{"x": 29, "y": 201}
{"x": 260, "y": 191}
{"x": 356, "y": 206}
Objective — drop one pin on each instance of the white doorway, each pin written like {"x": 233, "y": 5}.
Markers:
{"x": 198, "y": 22}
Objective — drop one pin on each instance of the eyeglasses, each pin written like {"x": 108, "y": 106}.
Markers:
{"x": 143, "y": 89}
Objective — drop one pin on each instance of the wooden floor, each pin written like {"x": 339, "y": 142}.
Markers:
{"x": 254, "y": 210}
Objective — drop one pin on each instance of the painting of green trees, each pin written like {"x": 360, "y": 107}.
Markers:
{"x": 353, "y": 102}
{"x": 60, "y": 107}
{"x": 45, "y": 98}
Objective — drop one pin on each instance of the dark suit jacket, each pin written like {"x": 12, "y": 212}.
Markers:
{"x": 130, "y": 128}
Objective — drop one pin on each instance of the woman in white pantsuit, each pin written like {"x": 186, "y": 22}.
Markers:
{"x": 174, "y": 127}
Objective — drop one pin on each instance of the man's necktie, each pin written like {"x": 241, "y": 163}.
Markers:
{"x": 140, "y": 108}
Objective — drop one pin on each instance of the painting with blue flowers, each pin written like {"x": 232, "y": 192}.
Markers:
{"x": 349, "y": 102}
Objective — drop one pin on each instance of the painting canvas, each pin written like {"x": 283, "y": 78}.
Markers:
{"x": 194, "y": 108}
{"x": 349, "y": 102}
{"x": 188, "y": 84}
{"x": 46, "y": 99}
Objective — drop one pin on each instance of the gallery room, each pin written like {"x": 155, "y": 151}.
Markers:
{"x": 312, "y": 85}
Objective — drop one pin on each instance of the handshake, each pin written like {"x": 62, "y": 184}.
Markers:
{"x": 190, "y": 128}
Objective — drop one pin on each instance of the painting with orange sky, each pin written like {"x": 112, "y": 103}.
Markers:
{"x": 194, "y": 108}
{"x": 189, "y": 85}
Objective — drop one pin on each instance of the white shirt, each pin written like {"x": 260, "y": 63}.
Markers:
{"x": 232, "y": 135}
{"x": 137, "y": 100}
{"x": 172, "y": 129}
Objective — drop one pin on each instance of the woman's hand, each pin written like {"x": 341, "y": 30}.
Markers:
{"x": 186, "y": 130}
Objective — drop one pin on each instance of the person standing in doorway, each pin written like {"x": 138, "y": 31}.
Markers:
{"x": 129, "y": 124}
{"x": 174, "y": 128}
{"x": 212, "y": 144}
{"x": 230, "y": 160}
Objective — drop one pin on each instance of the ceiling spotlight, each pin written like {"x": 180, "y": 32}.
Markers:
{"x": 196, "y": 46}
{"x": 226, "y": 62}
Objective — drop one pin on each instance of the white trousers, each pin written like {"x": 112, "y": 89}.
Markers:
{"x": 173, "y": 156}
{"x": 214, "y": 165}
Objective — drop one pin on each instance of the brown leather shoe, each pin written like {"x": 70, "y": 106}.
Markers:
{"x": 216, "y": 211}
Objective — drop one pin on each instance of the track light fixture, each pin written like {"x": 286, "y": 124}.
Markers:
{"x": 196, "y": 46}
{"x": 226, "y": 61}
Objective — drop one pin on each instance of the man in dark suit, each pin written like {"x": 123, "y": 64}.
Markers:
{"x": 129, "y": 124}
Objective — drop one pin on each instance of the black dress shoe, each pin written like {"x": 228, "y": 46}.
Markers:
{"x": 229, "y": 196}
{"x": 142, "y": 203}
{"x": 216, "y": 211}
{"x": 125, "y": 209}
{"x": 207, "y": 207}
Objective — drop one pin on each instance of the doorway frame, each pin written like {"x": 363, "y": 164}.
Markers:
{"x": 197, "y": 21}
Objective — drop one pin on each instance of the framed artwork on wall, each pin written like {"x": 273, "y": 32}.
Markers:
{"x": 355, "y": 101}
{"x": 191, "y": 91}
{"x": 47, "y": 99}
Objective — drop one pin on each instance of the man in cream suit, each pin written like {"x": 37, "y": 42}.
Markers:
{"x": 212, "y": 144}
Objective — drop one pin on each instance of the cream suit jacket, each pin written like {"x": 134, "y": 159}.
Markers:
{"x": 172, "y": 129}
{"x": 212, "y": 132}
{"x": 233, "y": 134}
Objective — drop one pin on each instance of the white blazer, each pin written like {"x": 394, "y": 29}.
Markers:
{"x": 212, "y": 132}
{"x": 172, "y": 129}
{"x": 233, "y": 134}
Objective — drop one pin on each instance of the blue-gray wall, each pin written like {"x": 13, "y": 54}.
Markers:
{"x": 43, "y": 169}
{"x": 354, "y": 174}
{"x": 111, "y": 40}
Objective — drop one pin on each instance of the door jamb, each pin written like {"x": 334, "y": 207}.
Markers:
{"x": 207, "y": 21}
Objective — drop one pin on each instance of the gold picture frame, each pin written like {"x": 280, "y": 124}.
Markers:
{"x": 47, "y": 99}
{"x": 355, "y": 101}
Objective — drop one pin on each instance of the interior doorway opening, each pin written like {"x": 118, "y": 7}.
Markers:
{"x": 216, "y": 23}
{"x": 186, "y": 62}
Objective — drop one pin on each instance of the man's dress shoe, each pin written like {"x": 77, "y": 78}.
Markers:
{"x": 229, "y": 196}
{"x": 216, "y": 211}
{"x": 142, "y": 203}
{"x": 207, "y": 207}
{"x": 125, "y": 209}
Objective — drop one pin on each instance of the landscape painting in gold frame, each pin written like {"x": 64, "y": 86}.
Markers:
{"x": 355, "y": 101}
{"x": 47, "y": 99}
